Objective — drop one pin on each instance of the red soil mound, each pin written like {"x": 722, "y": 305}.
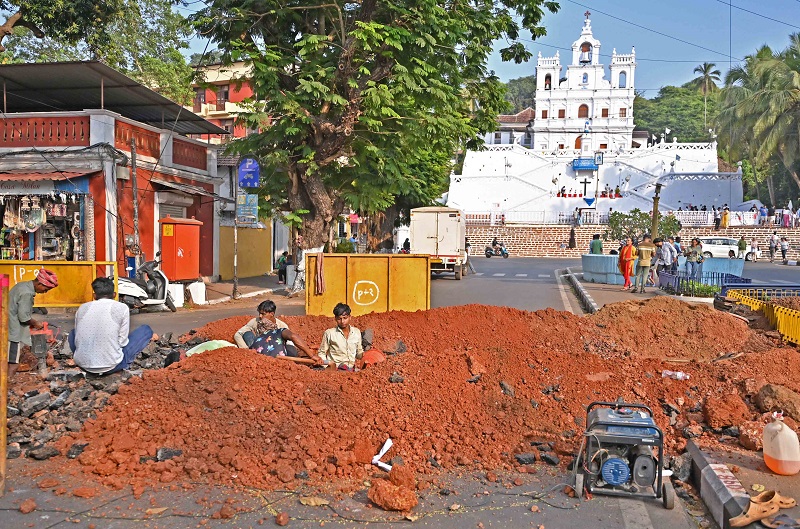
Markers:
{"x": 238, "y": 416}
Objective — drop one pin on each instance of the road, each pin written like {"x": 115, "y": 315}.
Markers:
{"x": 524, "y": 283}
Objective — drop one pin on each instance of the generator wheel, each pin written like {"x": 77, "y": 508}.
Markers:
{"x": 579, "y": 485}
{"x": 668, "y": 495}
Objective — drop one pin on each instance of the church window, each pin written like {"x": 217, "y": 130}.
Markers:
{"x": 578, "y": 142}
{"x": 498, "y": 138}
{"x": 547, "y": 82}
{"x": 585, "y": 78}
{"x": 586, "y": 53}
{"x": 561, "y": 146}
{"x": 623, "y": 112}
{"x": 583, "y": 111}
{"x": 544, "y": 114}
{"x": 562, "y": 113}
{"x": 604, "y": 113}
{"x": 623, "y": 80}
{"x": 603, "y": 146}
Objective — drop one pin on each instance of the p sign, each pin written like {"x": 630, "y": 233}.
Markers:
{"x": 365, "y": 293}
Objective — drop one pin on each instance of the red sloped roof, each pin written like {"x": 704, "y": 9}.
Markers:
{"x": 521, "y": 117}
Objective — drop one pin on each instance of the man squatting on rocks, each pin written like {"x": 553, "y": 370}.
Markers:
{"x": 20, "y": 314}
{"x": 101, "y": 342}
{"x": 270, "y": 336}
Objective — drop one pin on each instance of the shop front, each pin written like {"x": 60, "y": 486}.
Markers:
{"x": 45, "y": 216}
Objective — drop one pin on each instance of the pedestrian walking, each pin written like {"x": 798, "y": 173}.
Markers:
{"x": 754, "y": 248}
{"x": 784, "y": 248}
{"x": 742, "y": 247}
{"x": 774, "y": 241}
{"x": 300, "y": 268}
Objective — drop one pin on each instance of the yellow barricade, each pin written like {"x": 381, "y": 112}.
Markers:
{"x": 74, "y": 279}
{"x": 785, "y": 320}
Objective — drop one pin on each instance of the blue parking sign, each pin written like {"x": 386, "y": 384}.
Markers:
{"x": 249, "y": 172}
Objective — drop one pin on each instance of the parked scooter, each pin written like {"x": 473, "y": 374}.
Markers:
{"x": 499, "y": 250}
{"x": 147, "y": 289}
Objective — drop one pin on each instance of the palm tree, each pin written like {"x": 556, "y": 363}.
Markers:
{"x": 706, "y": 82}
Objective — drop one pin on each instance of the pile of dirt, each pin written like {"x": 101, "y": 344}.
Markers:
{"x": 792, "y": 302}
{"x": 232, "y": 415}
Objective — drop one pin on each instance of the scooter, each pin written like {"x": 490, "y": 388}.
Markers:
{"x": 499, "y": 250}
{"x": 147, "y": 289}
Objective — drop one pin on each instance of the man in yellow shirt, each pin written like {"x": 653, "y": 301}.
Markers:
{"x": 341, "y": 345}
{"x": 646, "y": 251}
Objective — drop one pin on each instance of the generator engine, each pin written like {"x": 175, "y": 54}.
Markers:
{"x": 622, "y": 453}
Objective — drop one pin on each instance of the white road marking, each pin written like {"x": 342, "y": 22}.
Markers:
{"x": 478, "y": 274}
{"x": 543, "y": 275}
{"x": 520, "y": 275}
{"x": 634, "y": 514}
{"x": 564, "y": 295}
{"x": 498, "y": 275}
{"x": 781, "y": 281}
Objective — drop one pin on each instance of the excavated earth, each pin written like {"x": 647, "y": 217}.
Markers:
{"x": 234, "y": 416}
{"x": 791, "y": 302}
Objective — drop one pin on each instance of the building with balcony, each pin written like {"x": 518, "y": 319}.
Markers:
{"x": 69, "y": 135}
{"x": 579, "y": 151}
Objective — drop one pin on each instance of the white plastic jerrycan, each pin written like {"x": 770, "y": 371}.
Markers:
{"x": 781, "y": 447}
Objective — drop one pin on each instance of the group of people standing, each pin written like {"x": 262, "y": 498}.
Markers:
{"x": 651, "y": 257}
{"x": 786, "y": 217}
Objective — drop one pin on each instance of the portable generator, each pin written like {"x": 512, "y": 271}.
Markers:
{"x": 622, "y": 453}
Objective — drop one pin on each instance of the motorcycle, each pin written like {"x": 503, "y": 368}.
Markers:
{"x": 147, "y": 289}
{"x": 499, "y": 250}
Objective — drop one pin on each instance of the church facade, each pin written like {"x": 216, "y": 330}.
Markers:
{"x": 580, "y": 150}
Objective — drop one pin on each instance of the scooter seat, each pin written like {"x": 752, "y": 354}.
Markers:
{"x": 140, "y": 282}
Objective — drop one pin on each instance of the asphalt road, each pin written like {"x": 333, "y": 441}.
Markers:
{"x": 524, "y": 283}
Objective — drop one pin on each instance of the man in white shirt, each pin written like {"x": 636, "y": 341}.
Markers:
{"x": 100, "y": 341}
{"x": 341, "y": 345}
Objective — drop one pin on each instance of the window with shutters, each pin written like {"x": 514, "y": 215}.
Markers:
{"x": 176, "y": 212}
{"x": 544, "y": 114}
{"x": 623, "y": 112}
{"x": 562, "y": 113}
{"x": 583, "y": 111}
{"x": 604, "y": 113}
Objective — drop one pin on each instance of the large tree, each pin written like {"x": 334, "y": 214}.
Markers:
{"x": 366, "y": 98}
{"x": 521, "y": 93}
{"x": 144, "y": 40}
{"x": 71, "y": 20}
{"x": 675, "y": 108}
{"x": 706, "y": 82}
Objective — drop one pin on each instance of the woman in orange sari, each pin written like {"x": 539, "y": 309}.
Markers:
{"x": 627, "y": 256}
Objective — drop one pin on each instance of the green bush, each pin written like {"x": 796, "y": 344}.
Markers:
{"x": 345, "y": 247}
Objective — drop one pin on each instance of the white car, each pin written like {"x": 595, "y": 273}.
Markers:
{"x": 720, "y": 246}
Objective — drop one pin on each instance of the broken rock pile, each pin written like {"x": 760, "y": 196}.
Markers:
{"x": 482, "y": 387}
{"x": 41, "y": 410}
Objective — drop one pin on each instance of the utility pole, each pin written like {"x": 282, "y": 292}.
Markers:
{"x": 235, "y": 292}
{"x": 654, "y": 227}
{"x": 135, "y": 200}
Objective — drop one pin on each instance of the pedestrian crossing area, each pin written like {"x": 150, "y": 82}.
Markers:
{"x": 515, "y": 276}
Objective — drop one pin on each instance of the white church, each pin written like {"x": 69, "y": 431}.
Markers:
{"x": 578, "y": 149}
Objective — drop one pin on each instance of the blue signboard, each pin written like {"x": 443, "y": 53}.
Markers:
{"x": 584, "y": 164}
{"x": 249, "y": 172}
{"x": 247, "y": 208}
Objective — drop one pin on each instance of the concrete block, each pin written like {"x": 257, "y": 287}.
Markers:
{"x": 198, "y": 292}
{"x": 176, "y": 291}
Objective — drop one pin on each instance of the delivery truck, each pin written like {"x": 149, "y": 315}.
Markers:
{"x": 441, "y": 233}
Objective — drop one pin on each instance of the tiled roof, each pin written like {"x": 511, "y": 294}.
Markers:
{"x": 525, "y": 116}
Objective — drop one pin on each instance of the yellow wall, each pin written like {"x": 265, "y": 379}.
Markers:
{"x": 255, "y": 249}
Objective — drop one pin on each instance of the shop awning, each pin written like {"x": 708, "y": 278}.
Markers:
{"x": 190, "y": 189}
{"x": 34, "y": 177}
{"x": 44, "y": 183}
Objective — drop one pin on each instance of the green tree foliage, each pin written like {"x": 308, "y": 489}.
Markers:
{"x": 760, "y": 116}
{"x": 145, "y": 40}
{"x": 521, "y": 93}
{"x": 637, "y": 223}
{"x": 679, "y": 109}
{"x": 71, "y": 20}
{"x": 367, "y": 100}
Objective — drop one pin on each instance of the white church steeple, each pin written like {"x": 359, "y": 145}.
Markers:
{"x": 586, "y": 50}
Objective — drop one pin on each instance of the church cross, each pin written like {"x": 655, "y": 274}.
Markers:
{"x": 587, "y": 14}
{"x": 585, "y": 183}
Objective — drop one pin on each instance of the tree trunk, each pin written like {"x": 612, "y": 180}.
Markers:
{"x": 795, "y": 177}
{"x": 770, "y": 188}
{"x": 308, "y": 192}
{"x": 755, "y": 179}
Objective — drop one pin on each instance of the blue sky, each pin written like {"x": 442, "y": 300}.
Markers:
{"x": 703, "y": 25}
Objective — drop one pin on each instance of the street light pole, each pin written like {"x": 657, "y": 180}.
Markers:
{"x": 235, "y": 291}
{"x": 654, "y": 227}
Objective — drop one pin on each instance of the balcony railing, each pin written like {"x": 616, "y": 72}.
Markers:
{"x": 148, "y": 143}
{"x": 45, "y": 132}
{"x": 189, "y": 154}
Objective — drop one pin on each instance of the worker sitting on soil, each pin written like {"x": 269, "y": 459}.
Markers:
{"x": 270, "y": 336}
{"x": 100, "y": 341}
{"x": 20, "y": 314}
{"x": 342, "y": 345}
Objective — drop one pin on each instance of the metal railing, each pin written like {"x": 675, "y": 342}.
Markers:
{"x": 681, "y": 283}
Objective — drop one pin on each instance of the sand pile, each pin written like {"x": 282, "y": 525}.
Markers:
{"x": 791, "y": 302}
{"x": 236, "y": 416}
